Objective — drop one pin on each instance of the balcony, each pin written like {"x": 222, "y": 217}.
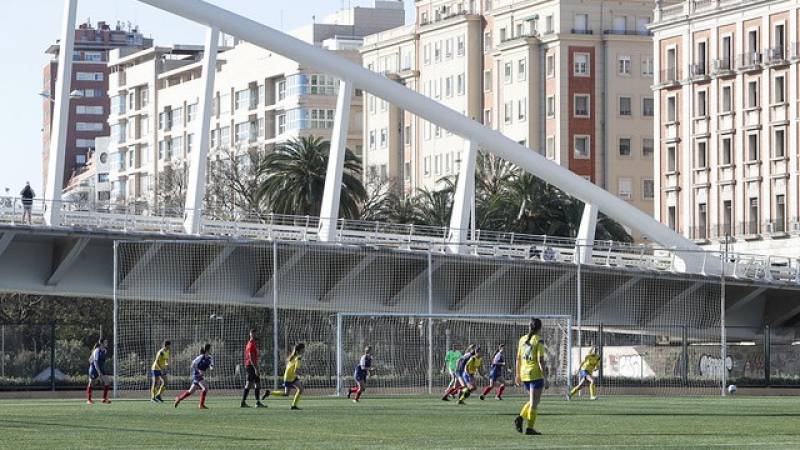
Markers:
{"x": 749, "y": 62}
{"x": 752, "y": 117}
{"x": 582, "y": 31}
{"x": 776, "y": 56}
{"x": 727, "y": 174}
{"x": 779, "y": 166}
{"x": 776, "y": 228}
{"x": 752, "y": 169}
{"x": 726, "y": 121}
{"x": 701, "y": 125}
{"x": 722, "y": 68}
{"x": 629, "y": 32}
{"x": 749, "y": 230}
{"x": 698, "y": 72}
{"x": 668, "y": 78}
{"x": 673, "y": 131}
{"x": 721, "y": 231}
{"x": 699, "y": 234}
{"x": 701, "y": 176}
{"x": 779, "y": 112}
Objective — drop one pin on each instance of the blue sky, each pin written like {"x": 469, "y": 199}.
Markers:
{"x": 25, "y": 34}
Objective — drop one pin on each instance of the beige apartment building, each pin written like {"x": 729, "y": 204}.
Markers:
{"x": 570, "y": 79}
{"x": 260, "y": 99}
{"x": 726, "y": 115}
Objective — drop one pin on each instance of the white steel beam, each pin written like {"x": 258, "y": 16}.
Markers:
{"x": 463, "y": 198}
{"x": 585, "y": 241}
{"x": 196, "y": 188}
{"x": 58, "y": 127}
{"x": 494, "y": 141}
{"x": 329, "y": 213}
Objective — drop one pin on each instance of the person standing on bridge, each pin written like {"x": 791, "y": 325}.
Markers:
{"x": 27, "y": 195}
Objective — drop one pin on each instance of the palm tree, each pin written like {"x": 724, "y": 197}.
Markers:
{"x": 434, "y": 206}
{"x": 295, "y": 179}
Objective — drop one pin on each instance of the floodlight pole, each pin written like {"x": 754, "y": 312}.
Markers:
{"x": 329, "y": 213}
{"x": 60, "y": 119}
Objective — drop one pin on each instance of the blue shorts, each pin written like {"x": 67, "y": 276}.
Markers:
{"x": 467, "y": 377}
{"x": 197, "y": 378}
{"x": 495, "y": 373}
{"x": 93, "y": 374}
{"x": 584, "y": 374}
{"x": 288, "y": 384}
{"x": 535, "y": 384}
{"x": 157, "y": 373}
{"x": 360, "y": 375}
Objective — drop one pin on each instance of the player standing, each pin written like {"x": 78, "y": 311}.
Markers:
{"x": 159, "y": 373}
{"x": 363, "y": 369}
{"x": 290, "y": 378}
{"x": 251, "y": 366}
{"x": 496, "y": 377}
{"x": 461, "y": 363}
{"x": 468, "y": 375}
{"x": 450, "y": 363}
{"x": 589, "y": 365}
{"x": 203, "y": 363}
{"x": 532, "y": 371}
{"x": 97, "y": 362}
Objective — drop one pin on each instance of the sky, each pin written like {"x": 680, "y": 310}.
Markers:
{"x": 35, "y": 24}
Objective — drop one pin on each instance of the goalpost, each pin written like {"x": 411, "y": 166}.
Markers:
{"x": 409, "y": 349}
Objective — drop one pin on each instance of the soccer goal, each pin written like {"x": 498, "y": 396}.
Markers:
{"x": 409, "y": 349}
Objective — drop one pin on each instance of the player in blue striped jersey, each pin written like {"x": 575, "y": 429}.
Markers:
{"x": 363, "y": 369}
{"x": 203, "y": 363}
{"x": 496, "y": 378}
{"x": 97, "y": 370}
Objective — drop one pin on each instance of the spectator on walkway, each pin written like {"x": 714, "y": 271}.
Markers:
{"x": 27, "y": 195}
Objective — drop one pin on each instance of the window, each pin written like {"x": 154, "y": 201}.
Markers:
{"x": 225, "y": 137}
{"x": 752, "y": 44}
{"x": 448, "y": 49}
{"x": 372, "y": 140}
{"x": 522, "y": 109}
{"x": 648, "y": 189}
{"x": 508, "y": 109}
{"x": 176, "y": 117}
{"x": 625, "y": 147}
{"x": 780, "y": 214}
{"x": 507, "y": 73}
{"x": 550, "y": 147}
{"x": 460, "y": 45}
{"x": 522, "y": 69}
{"x": 189, "y": 143}
{"x": 80, "y": 160}
{"x": 581, "y": 23}
{"x": 581, "y": 105}
{"x": 407, "y": 135}
{"x": 460, "y": 85}
{"x": 647, "y": 66}
{"x": 426, "y": 54}
{"x": 224, "y": 103}
{"x": 624, "y": 65}
{"x": 619, "y": 24}
{"x": 702, "y": 155}
{"x": 487, "y": 42}
{"x": 242, "y": 131}
{"x": 671, "y": 109}
{"x": 144, "y": 97}
{"x": 89, "y": 126}
{"x": 241, "y": 99}
{"x": 551, "y": 106}
{"x": 581, "y": 63}
{"x": 448, "y": 87}
{"x": 752, "y": 147}
{"x": 702, "y": 221}
{"x": 727, "y": 217}
{"x": 548, "y": 24}
{"x": 647, "y": 147}
{"x": 752, "y": 94}
{"x": 671, "y": 159}
{"x": 648, "y": 109}
{"x": 671, "y": 217}
{"x": 582, "y": 147}
{"x": 672, "y": 73}
{"x": 280, "y": 90}
{"x": 384, "y": 137}
{"x": 727, "y": 151}
{"x": 780, "y": 144}
{"x": 84, "y": 143}
{"x": 625, "y": 188}
{"x": 487, "y": 117}
{"x": 752, "y": 226}
{"x": 102, "y": 178}
{"x": 487, "y": 80}
{"x": 725, "y": 101}
{"x": 725, "y": 53}
{"x": 426, "y": 164}
{"x": 702, "y": 110}
{"x": 89, "y": 76}
{"x": 550, "y": 65}
{"x": 191, "y": 112}
{"x": 89, "y": 110}
{"x": 700, "y": 59}
{"x": 280, "y": 124}
{"x": 779, "y": 38}
{"x": 503, "y": 35}
{"x": 625, "y": 106}
{"x": 779, "y": 96}
{"x": 437, "y": 51}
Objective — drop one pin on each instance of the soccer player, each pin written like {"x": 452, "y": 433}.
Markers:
{"x": 203, "y": 363}
{"x": 251, "y": 365}
{"x": 496, "y": 377}
{"x": 363, "y": 369}
{"x": 97, "y": 362}
{"x": 450, "y": 363}
{"x": 589, "y": 365}
{"x": 290, "y": 378}
{"x": 472, "y": 369}
{"x": 461, "y": 363}
{"x": 532, "y": 371}
{"x": 159, "y": 373}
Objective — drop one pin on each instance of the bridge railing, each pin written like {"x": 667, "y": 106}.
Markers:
{"x": 480, "y": 243}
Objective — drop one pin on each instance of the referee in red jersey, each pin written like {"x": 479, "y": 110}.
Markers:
{"x": 251, "y": 366}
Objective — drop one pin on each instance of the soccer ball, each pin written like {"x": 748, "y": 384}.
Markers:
{"x": 732, "y": 389}
{"x": 215, "y": 317}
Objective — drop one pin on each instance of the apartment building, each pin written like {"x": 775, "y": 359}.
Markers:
{"x": 570, "y": 79}
{"x": 88, "y": 111}
{"x": 260, "y": 99}
{"x": 726, "y": 115}
{"x": 91, "y": 187}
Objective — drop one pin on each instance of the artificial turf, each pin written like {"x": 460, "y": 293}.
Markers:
{"x": 409, "y": 422}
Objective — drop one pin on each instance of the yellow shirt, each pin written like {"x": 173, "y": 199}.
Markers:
{"x": 528, "y": 355}
{"x": 473, "y": 364}
{"x": 590, "y": 363}
{"x": 162, "y": 360}
{"x": 291, "y": 369}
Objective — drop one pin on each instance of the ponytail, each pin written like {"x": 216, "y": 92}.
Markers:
{"x": 533, "y": 327}
{"x": 297, "y": 349}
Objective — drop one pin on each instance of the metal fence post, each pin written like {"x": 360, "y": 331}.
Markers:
{"x": 685, "y": 355}
{"x": 767, "y": 345}
{"x": 53, "y": 355}
{"x": 600, "y": 344}
{"x": 430, "y": 324}
{"x": 275, "y": 354}
{"x": 579, "y": 312}
{"x": 723, "y": 334}
{"x": 116, "y": 319}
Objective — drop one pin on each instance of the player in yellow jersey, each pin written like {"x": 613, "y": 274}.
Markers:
{"x": 290, "y": 378}
{"x": 531, "y": 371}
{"x": 159, "y": 373}
{"x": 589, "y": 365}
{"x": 472, "y": 369}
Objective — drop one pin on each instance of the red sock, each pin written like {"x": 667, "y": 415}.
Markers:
{"x": 500, "y": 391}
{"x": 358, "y": 393}
{"x": 105, "y": 391}
{"x": 203, "y": 398}
{"x": 353, "y": 390}
{"x": 454, "y": 390}
{"x": 487, "y": 390}
{"x": 183, "y": 395}
{"x": 89, "y": 392}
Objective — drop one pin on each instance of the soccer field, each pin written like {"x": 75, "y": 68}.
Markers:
{"x": 415, "y": 422}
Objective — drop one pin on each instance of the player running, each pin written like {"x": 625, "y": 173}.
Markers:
{"x": 290, "y": 378}
{"x": 203, "y": 363}
{"x": 460, "y": 384}
{"x": 363, "y": 369}
{"x": 589, "y": 365}
{"x": 97, "y": 362}
{"x": 532, "y": 372}
{"x": 450, "y": 363}
{"x": 496, "y": 378}
{"x": 159, "y": 373}
{"x": 472, "y": 369}
{"x": 251, "y": 366}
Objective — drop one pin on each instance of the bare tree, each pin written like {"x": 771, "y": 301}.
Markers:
{"x": 171, "y": 185}
{"x": 234, "y": 179}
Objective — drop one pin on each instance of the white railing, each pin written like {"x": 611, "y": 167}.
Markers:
{"x": 484, "y": 243}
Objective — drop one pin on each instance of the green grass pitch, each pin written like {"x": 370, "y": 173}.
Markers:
{"x": 409, "y": 422}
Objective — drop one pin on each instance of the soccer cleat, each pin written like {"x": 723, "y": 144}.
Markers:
{"x": 158, "y": 397}
{"x": 349, "y": 393}
{"x": 89, "y": 402}
{"x": 266, "y": 394}
{"x": 461, "y": 402}
{"x": 483, "y": 397}
{"x": 532, "y": 432}
{"x": 260, "y": 405}
{"x": 446, "y": 398}
{"x": 355, "y": 400}
{"x": 498, "y": 398}
{"x": 106, "y": 401}
{"x": 567, "y": 397}
{"x": 176, "y": 403}
{"x": 593, "y": 398}
{"x": 295, "y": 408}
{"x": 153, "y": 400}
{"x": 244, "y": 405}
{"x": 202, "y": 407}
{"x": 518, "y": 424}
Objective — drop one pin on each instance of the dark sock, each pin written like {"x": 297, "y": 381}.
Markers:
{"x": 244, "y": 394}
{"x": 258, "y": 394}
